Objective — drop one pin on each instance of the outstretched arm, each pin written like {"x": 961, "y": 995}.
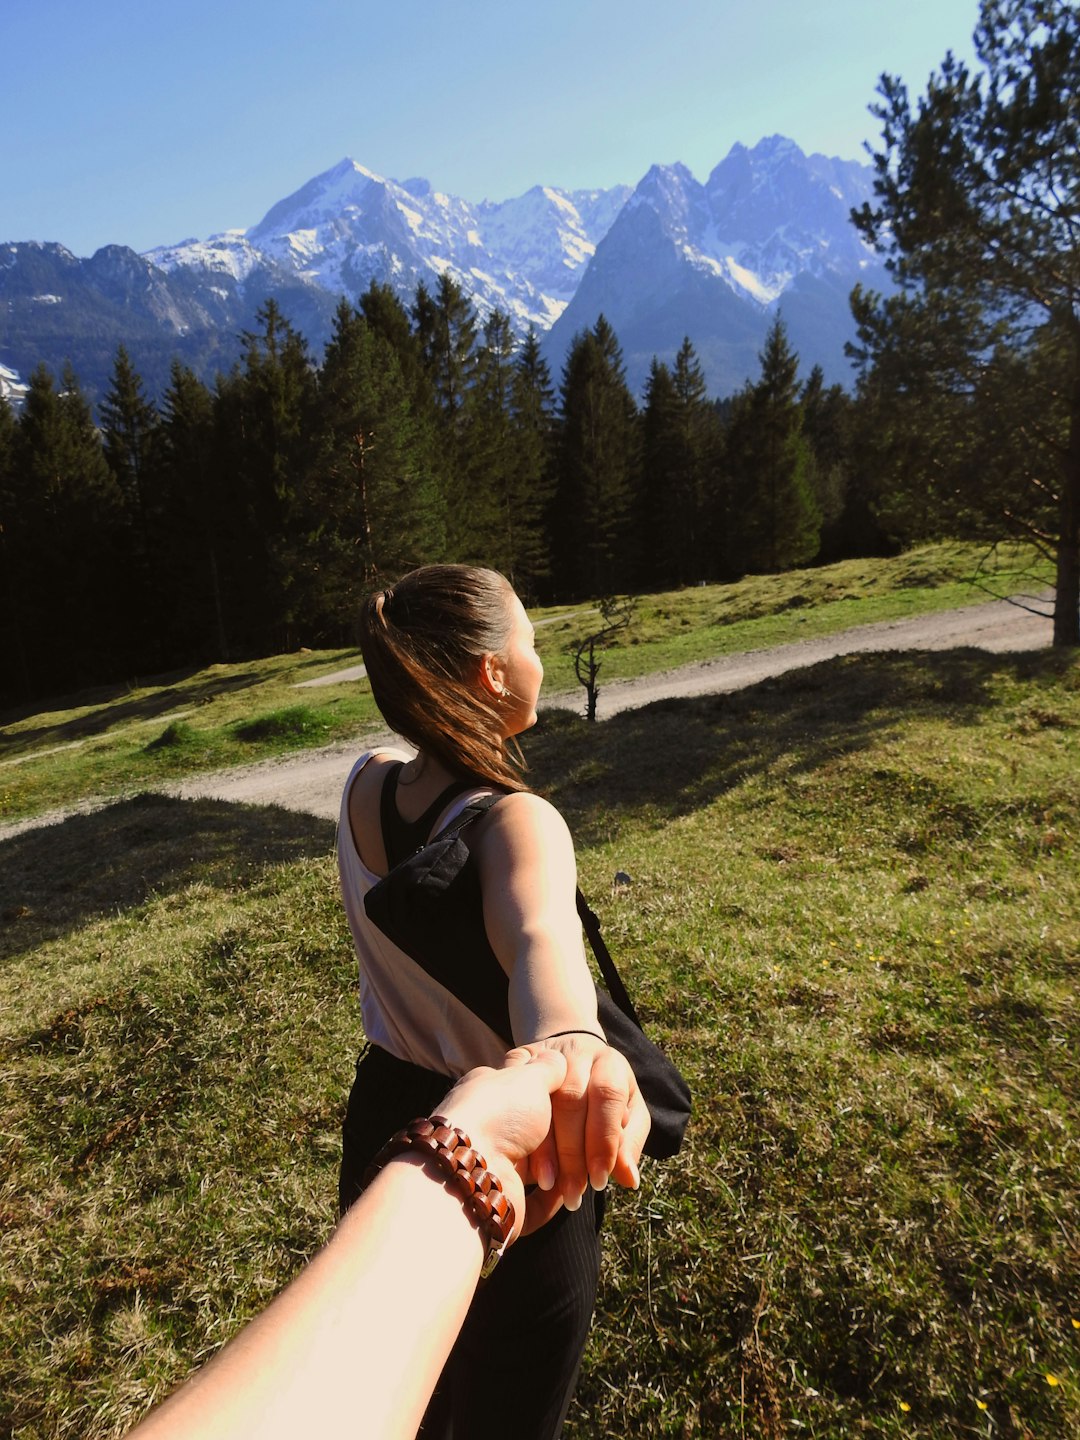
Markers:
{"x": 360, "y": 1336}
{"x": 528, "y": 875}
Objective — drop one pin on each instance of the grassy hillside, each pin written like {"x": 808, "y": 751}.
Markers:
{"x": 853, "y": 916}
{"x": 119, "y": 740}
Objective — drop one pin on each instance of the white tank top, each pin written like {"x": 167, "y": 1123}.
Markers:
{"x": 403, "y": 1009}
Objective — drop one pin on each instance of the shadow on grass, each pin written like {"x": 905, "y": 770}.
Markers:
{"x": 56, "y": 878}
{"x": 111, "y": 714}
{"x": 675, "y": 756}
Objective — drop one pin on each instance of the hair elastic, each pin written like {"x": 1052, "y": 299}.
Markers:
{"x": 559, "y": 1033}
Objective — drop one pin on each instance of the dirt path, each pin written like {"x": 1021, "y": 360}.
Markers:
{"x": 312, "y": 781}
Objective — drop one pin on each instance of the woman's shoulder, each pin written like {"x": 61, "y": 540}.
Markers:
{"x": 366, "y": 776}
{"x": 523, "y": 815}
{"x": 372, "y": 762}
{"x": 385, "y": 754}
{"x": 520, "y": 803}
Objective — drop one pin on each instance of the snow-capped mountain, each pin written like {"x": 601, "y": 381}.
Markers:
{"x": 768, "y": 229}
{"x": 350, "y": 226}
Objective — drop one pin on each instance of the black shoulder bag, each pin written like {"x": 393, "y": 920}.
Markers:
{"x": 435, "y": 894}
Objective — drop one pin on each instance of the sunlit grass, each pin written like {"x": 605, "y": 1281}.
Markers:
{"x": 684, "y": 626}
{"x": 852, "y": 918}
{"x": 210, "y": 719}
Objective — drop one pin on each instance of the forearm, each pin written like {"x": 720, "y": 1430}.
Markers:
{"x": 550, "y": 988}
{"x": 357, "y": 1341}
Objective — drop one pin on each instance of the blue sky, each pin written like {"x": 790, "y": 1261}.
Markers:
{"x": 144, "y": 123}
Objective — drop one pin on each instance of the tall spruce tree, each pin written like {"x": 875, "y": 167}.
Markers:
{"x": 130, "y": 432}
{"x": 129, "y": 429}
{"x": 598, "y": 486}
{"x": 446, "y": 329}
{"x": 532, "y": 408}
{"x": 264, "y": 417}
{"x": 13, "y": 638}
{"x": 774, "y": 518}
{"x": 826, "y": 424}
{"x": 372, "y": 507}
{"x": 63, "y": 528}
{"x": 201, "y": 530}
{"x": 388, "y": 318}
{"x": 445, "y": 325}
{"x": 682, "y": 441}
{"x": 489, "y": 452}
{"x": 977, "y": 192}
{"x": 660, "y": 557}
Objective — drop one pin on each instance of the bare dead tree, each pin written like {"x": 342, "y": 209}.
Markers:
{"x": 617, "y": 613}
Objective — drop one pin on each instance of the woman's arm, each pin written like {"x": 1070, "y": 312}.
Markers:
{"x": 528, "y": 876}
{"x": 355, "y": 1344}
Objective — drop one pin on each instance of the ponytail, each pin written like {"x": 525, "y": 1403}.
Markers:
{"x": 423, "y": 640}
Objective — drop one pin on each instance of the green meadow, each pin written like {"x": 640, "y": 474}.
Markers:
{"x": 852, "y": 918}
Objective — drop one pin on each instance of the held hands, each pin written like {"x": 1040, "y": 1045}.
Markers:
{"x": 600, "y": 1123}
{"x": 507, "y": 1115}
{"x": 561, "y": 1112}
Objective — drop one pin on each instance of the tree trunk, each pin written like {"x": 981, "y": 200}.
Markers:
{"x": 1067, "y": 601}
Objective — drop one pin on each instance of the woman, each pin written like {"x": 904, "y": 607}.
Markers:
{"x": 452, "y": 664}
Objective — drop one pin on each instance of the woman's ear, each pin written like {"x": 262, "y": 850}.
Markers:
{"x": 492, "y": 676}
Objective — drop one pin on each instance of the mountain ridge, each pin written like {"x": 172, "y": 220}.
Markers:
{"x": 768, "y": 228}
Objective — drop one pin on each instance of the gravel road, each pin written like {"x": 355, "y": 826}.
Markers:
{"x": 312, "y": 781}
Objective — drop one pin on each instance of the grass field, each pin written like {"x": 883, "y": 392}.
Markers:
{"x": 117, "y": 740}
{"x": 853, "y": 920}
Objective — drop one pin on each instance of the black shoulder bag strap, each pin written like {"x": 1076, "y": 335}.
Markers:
{"x": 664, "y": 1088}
{"x": 612, "y": 978}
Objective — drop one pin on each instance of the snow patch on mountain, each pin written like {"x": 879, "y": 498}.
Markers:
{"x": 763, "y": 217}
{"x": 228, "y": 253}
{"x": 349, "y": 226}
{"x": 12, "y": 387}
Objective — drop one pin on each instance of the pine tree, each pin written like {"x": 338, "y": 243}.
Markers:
{"x": 596, "y": 506}
{"x": 372, "y": 506}
{"x": 130, "y": 434}
{"x": 64, "y": 526}
{"x": 446, "y": 330}
{"x": 658, "y": 464}
{"x": 489, "y": 455}
{"x": 388, "y": 318}
{"x": 201, "y": 530}
{"x": 532, "y": 408}
{"x": 445, "y": 326}
{"x": 826, "y": 423}
{"x": 264, "y": 416}
{"x": 129, "y": 428}
{"x": 13, "y": 638}
{"x": 975, "y": 212}
{"x": 775, "y": 520}
{"x": 682, "y": 472}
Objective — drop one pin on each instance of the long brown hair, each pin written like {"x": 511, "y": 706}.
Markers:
{"x": 422, "y": 641}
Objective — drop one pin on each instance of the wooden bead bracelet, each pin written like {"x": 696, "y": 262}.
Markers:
{"x": 467, "y": 1175}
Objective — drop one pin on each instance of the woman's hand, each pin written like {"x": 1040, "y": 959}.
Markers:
{"x": 599, "y": 1123}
